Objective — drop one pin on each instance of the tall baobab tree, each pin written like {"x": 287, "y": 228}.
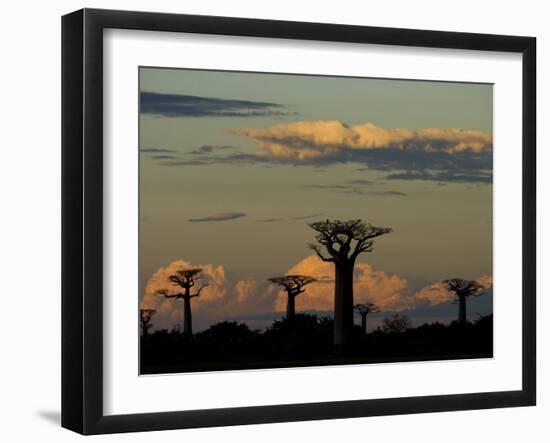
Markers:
{"x": 294, "y": 286}
{"x": 343, "y": 242}
{"x": 185, "y": 279}
{"x": 145, "y": 316}
{"x": 463, "y": 289}
{"x": 365, "y": 309}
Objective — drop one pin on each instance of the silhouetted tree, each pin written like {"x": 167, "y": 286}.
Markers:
{"x": 185, "y": 279}
{"x": 145, "y": 316}
{"x": 396, "y": 324}
{"x": 343, "y": 242}
{"x": 294, "y": 286}
{"x": 463, "y": 289}
{"x": 226, "y": 333}
{"x": 365, "y": 309}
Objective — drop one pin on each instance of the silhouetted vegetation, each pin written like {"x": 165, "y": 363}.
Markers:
{"x": 365, "y": 309}
{"x": 396, "y": 324}
{"x": 463, "y": 289}
{"x": 145, "y": 317}
{"x": 294, "y": 286}
{"x": 302, "y": 339}
{"x": 185, "y": 279}
{"x": 344, "y": 241}
{"x": 307, "y": 340}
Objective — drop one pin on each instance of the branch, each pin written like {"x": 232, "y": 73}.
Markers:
{"x": 198, "y": 293}
{"x": 177, "y": 280}
{"x": 164, "y": 293}
{"x": 316, "y": 249}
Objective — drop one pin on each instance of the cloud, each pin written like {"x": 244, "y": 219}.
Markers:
{"x": 439, "y": 154}
{"x": 448, "y": 176}
{"x": 389, "y": 292}
{"x": 208, "y": 149}
{"x": 485, "y": 280}
{"x": 156, "y": 150}
{"x": 258, "y": 303}
{"x": 389, "y": 193}
{"x": 356, "y": 189}
{"x": 361, "y": 182}
{"x": 163, "y": 157}
{"x": 173, "y": 105}
{"x": 437, "y": 293}
{"x": 221, "y": 216}
{"x": 332, "y": 187}
{"x": 325, "y": 137}
{"x": 392, "y": 293}
{"x": 432, "y": 154}
{"x": 233, "y": 159}
{"x": 224, "y": 298}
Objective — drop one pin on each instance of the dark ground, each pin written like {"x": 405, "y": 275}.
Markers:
{"x": 307, "y": 341}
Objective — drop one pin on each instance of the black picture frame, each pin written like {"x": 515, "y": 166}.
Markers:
{"x": 82, "y": 219}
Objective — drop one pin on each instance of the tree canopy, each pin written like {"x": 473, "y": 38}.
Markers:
{"x": 293, "y": 283}
{"x": 344, "y": 240}
{"x": 464, "y": 288}
{"x": 366, "y": 308}
{"x": 186, "y": 279}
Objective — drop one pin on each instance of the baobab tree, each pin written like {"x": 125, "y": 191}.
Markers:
{"x": 185, "y": 279}
{"x": 145, "y": 316}
{"x": 463, "y": 289}
{"x": 343, "y": 242}
{"x": 294, "y": 286}
{"x": 365, "y": 309}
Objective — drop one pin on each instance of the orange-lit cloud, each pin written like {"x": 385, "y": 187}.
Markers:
{"x": 223, "y": 298}
{"x": 437, "y": 293}
{"x": 389, "y": 292}
{"x": 325, "y": 138}
{"x": 226, "y": 298}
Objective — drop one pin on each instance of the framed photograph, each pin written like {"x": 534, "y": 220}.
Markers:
{"x": 258, "y": 216}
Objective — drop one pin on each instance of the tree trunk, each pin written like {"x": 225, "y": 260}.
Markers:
{"x": 364, "y": 323}
{"x": 343, "y": 303}
{"x": 290, "y": 306}
{"x": 187, "y": 326}
{"x": 461, "y": 309}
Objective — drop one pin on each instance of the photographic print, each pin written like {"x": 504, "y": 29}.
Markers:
{"x": 301, "y": 220}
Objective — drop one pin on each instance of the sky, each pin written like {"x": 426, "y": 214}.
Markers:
{"x": 233, "y": 167}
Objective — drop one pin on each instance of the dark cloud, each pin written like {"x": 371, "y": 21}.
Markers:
{"x": 478, "y": 177}
{"x": 361, "y": 182}
{"x": 163, "y": 157}
{"x": 399, "y": 164}
{"x": 172, "y": 105}
{"x": 208, "y": 149}
{"x": 434, "y": 152}
{"x": 234, "y": 159}
{"x": 351, "y": 189}
{"x": 374, "y": 159}
{"x": 156, "y": 150}
{"x": 222, "y": 216}
{"x": 389, "y": 193}
{"x": 330, "y": 187}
